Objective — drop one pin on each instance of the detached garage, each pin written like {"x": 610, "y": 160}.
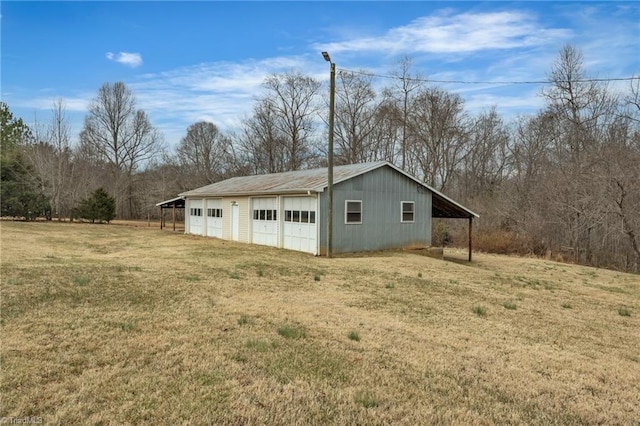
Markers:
{"x": 375, "y": 206}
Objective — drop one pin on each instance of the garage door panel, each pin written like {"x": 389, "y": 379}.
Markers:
{"x": 265, "y": 225}
{"x": 214, "y": 218}
{"x": 195, "y": 217}
{"x": 300, "y": 229}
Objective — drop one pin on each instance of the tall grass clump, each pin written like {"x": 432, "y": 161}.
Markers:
{"x": 624, "y": 312}
{"x": 292, "y": 332}
{"x": 480, "y": 311}
{"x": 366, "y": 399}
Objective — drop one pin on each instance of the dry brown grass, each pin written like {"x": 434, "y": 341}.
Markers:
{"x": 113, "y": 324}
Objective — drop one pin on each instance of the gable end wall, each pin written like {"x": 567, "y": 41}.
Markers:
{"x": 381, "y": 191}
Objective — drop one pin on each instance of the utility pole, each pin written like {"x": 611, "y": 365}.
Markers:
{"x": 332, "y": 104}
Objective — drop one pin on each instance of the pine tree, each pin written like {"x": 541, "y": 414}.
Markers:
{"x": 99, "y": 206}
{"x": 21, "y": 195}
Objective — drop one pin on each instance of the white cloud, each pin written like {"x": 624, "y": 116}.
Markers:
{"x": 130, "y": 59}
{"x": 220, "y": 92}
{"x": 450, "y": 33}
{"x": 45, "y": 103}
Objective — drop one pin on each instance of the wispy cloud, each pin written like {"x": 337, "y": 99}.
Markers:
{"x": 220, "y": 92}
{"x": 447, "y": 32}
{"x": 132, "y": 60}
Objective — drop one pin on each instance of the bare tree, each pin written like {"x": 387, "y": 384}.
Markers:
{"x": 205, "y": 152}
{"x": 581, "y": 109}
{"x": 401, "y": 94}
{"x": 485, "y": 164}
{"x": 51, "y": 155}
{"x": 122, "y": 136}
{"x": 262, "y": 143}
{"x": 580, "y": 105}
{"x": 437, "y": 132}
{"x": 59, "y": 137}
{"x": 291, "y": 101}
{"x": 386, "y": 133}
{"x": 356, "y": 116}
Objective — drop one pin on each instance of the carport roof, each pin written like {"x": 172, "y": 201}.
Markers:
{"x": 315, "y": 180}
{"x": 177, "y": 202}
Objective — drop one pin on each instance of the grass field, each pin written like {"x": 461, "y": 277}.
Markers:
{"x": 105, "y": 324}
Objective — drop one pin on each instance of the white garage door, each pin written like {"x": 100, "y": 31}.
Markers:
{"x": 265, "y": 221}
{"x": 214, "y": 218}
{"x": 195, "y": 217}
{"x": 300, "y": 232}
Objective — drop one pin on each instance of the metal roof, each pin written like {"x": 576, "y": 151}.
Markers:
{"x": 315, "y": 180}
{"x": 178, "y": 202}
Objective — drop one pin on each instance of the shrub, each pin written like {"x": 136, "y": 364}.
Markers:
{"x": 98, "y": 206}
{"x": 510, "y": 305}
{"x": 507, "y": 242}
{"x": 441, "y": 234}
{"x": 353, "y": 335}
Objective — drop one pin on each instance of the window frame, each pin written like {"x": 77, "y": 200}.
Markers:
{"x": 346, "y": 212}
{"x": 413, "y": 212}
{"x": 265, "y": 215}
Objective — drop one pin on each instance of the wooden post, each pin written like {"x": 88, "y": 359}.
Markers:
{"x": 161, "y": 217}
{"x": 470, "y": 236}
{"x": 174, "y": 216}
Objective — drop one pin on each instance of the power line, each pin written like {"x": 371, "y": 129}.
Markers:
{"x": 428, "y": 80}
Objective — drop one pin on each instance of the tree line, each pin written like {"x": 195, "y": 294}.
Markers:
{"x": 563, "y": 181}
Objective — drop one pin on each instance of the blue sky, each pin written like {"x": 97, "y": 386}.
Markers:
{"x": 190, "y": 61}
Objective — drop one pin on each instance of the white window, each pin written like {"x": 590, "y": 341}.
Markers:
{"x": 301, "y": 216}
{"x": 353, "y": 211}
{"x": 264, "y": 214}
{"x": 214, "y": 212}
{"x": 407, "y": 211}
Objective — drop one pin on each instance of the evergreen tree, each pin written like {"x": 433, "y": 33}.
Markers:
{"x": 99, "y": 206}
{"x": 21, "y": 194}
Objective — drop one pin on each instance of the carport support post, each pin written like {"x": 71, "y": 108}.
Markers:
{"x": 161, "y": 217}
{"x": 470, "y": 236}
{"x": 174, "y": 216}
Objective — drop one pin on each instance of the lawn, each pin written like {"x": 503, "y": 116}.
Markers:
{"x": 108, "y": 324}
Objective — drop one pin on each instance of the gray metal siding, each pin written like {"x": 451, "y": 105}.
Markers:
{"x": 381, "y": 191}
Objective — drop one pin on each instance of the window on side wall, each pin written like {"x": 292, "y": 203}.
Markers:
{"x": 353, "y": 212}
{"x": 408, "y": 211}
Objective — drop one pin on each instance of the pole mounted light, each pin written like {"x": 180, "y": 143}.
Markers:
{"x": 332, "y": 103}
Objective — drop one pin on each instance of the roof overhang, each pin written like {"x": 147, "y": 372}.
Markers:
{"x": 178, "y": 202}
{"x": 445, "y": 208}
